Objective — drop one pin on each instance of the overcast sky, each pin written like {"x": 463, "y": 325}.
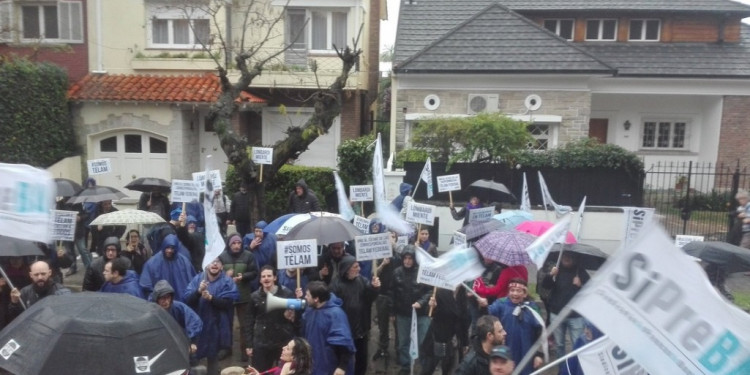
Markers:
{"x": 388, "y": 28}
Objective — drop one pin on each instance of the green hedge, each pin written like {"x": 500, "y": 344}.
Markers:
{"x": 35, "y": 123}
{"x": 585, "y": 153}
{"x": 355, "y": 160}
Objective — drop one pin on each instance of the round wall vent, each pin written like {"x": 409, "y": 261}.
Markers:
{"x": 432, "y": 102}
{"x": 533, "y": 102}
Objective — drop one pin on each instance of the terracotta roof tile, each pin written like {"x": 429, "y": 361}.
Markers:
{"x": 151, "y": 88}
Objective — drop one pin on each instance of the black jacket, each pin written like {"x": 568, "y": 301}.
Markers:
{"x": 29, "y": 296}
{"x": 477, "y": 362}
{"x": 562, "y": 289}
{"x": 268, "y": 329}
{"x": 240, "y": 208}
{"x": 405, "y": 291}
{"x": 306, "y": 203}
{"x": 358, "y": 295}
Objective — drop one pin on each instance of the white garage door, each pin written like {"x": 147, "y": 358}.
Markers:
{"x": 133, "y": 154}
{"x": 321, "y": 153}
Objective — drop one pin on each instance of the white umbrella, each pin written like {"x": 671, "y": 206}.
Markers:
{"x": 125, "y": 217}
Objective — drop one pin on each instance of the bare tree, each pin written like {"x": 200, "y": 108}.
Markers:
{"x": 261, "y": 23}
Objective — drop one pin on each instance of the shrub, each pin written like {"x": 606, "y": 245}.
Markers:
{"x": 355, "y": 160}
{"x": 410, "y": 154}
{"x": 585, "y": 153}
{"x": 319, "y": 180}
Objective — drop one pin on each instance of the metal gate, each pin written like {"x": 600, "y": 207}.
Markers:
{"x": 695, "y": 198}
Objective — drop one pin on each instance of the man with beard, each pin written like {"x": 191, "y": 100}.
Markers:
{"x": 194, "y": 240}
{"x": 262, "y": 245}
{"x": 168, "y": 265}
{"x": 212, "y": 295}
{"x": 119, "y": 279}
{"x": 41, "y": 286}
{"x": 94, "y": 277}
{"x": 190, "y": 322}
{"x": 241, "y": 267}
{"x": 490, "y": 333}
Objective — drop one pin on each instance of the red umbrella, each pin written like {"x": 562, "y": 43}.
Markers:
{"x": 537, "y": 228}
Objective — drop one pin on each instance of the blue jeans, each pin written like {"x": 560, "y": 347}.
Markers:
{"x": 573, "y": 325}
{"x": 85, "y": 255}
{"x": 403, "y": 326}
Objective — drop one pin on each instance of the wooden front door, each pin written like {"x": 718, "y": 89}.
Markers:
{"x": 598, "y": 129}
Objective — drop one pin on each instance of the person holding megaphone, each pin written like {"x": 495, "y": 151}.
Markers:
{"x": 269, "y": 326}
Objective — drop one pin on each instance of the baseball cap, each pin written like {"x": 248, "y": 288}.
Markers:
{"x": 500, "y": 351}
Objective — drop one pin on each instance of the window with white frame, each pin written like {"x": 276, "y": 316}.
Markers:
{"x": 181, "y": 27}
{"x": 325, "y": 28}
{"x": 543, "y": 136}
{"x": 601, "y": 29}
{"x": 664, "y": 135}
{"x": 50, "y": 21}
{"x": 563, "y": 28}
{"x": 644, "y": 30}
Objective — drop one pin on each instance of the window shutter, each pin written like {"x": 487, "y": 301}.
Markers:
{"x": 6, "y": 20}
{"x": 70, "y": 21}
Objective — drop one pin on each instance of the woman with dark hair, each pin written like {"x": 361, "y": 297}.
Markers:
{"x": 135, "y": 251}
{"x": 296, "y": 358}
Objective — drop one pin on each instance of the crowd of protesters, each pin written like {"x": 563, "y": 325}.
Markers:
{"x": 459, "y": 331}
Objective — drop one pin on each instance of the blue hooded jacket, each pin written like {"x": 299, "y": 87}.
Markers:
{"x": 265, "y": 253}
{"x": 217, "y": 318}
{"x": 323, "y": 328}
{"x": 404, "y": 190}
{"x": 178, "y": 271}
{"x": 128, "y": 285}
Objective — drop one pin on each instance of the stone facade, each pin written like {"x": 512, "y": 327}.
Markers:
{"x": 734, "y": 131}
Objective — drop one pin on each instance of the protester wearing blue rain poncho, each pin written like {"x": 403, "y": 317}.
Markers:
{"x": 212, "y": 295}
{"x": 168, "y": 265}
{"x": 263, "y": 247}
{"x": 190, "y": 322}
{"x": 327, "y": 329}
{"x": 120, "y": 279}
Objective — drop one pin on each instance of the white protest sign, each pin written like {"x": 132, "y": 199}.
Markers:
{"x": 426, "y": 275}
{"x": 64, "y": 226}
{"x": 361, "y": 193}
{"x": 263, "y": 155}
{"x": 363, "y": 224}
{"x": 27, "y": 195}
{"x": 420, "y": 213}
{"x": 215, "y": 176}
{"x": 297, "y": 254}
{"x": 451, "y": 182}
{"x": 402, "y": 240}
{"x": 481, "y": 214}
{"x": 99, "y": 166}
{"x": 185, "y": 191}
{"x": 680, "y": 240}
{"x": 657, "y": 304}
{"x": 373, "y": 246}
{"x": 459, "y": 239}
{"x": 636, "y": 218}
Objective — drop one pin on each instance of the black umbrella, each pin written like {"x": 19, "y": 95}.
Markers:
{"x": 94, "y": 333}
{"x": 66, "y": 188}
{"x": 326, "y": 229}
{"x": 96, "y": 194}
{"x": 14, "y": 247}
{"x": 149, "y": 184}
{"x": 491, "y": 191}
{"x": 480, "y": 228}
{"x": 587, "y": 256}
{"x": 727, "y": 256}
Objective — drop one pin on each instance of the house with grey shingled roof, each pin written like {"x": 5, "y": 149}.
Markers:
{"x": 667, "y": 79}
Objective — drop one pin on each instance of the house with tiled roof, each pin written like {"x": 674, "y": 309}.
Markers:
{"x": 143, "y": 103}
{"x": 667, "y": 79}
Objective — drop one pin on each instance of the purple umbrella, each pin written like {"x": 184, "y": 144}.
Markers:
{"x": 506, "y": 247}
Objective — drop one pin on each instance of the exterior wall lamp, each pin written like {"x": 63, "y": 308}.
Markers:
{"x": 626, "y": 124}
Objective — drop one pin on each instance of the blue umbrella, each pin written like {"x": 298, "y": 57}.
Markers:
{"x": 513, "y": 217}
{"x": 275, "y": 225}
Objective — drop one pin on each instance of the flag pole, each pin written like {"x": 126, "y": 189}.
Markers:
{"x": 434, "y": 292}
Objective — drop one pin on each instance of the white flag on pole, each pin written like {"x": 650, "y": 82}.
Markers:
{"x": 656, "y": 303}
{"x": 540, "y": 248}
{"x": 450, "y": 269}
{"x": 581, "y": 208}
{"x": 606, "y": 357}
{"x": 560, "y": 210}
{"x": 345, "y": 209}
{"x": 414, "y": 336}
{"x": 525, "y": 201}
{"x": 387, "y": 213}
{"x": 214, "y": 241}
{"x": 426, "y": 176}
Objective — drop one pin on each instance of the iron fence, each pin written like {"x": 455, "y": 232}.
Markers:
{"x": 695, "y": 198}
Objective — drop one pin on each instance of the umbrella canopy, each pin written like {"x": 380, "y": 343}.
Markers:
{"x": 512, "y": 218}
{"x": 506, "y": 246}
{"x": 14, "y": 247}
{"x": 149, "y": 184}
{"x": 277, "y": 223}
{"x": 727, "y": 256}
{"x": 480, "y": 228}
{"x": 587, "y": 256}
{"x": 326, "y": 229}
{"x": 96, "y": 194}
{"x": 66, "y": 188}
{"x": 491, "y": 191}
{"x": 126, "y": 217}
{"x": 289, "y": 221}
{"x": 537, "y": 228}
{"x": 94, "y": 333}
